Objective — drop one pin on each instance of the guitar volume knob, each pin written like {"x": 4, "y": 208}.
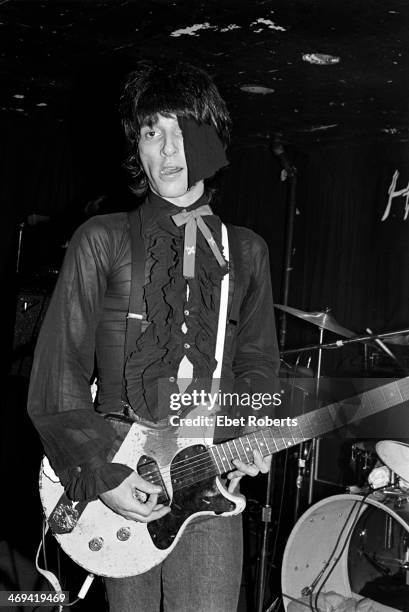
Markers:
{"x": 96, "y": 544}
{"x": 123, "y": 534}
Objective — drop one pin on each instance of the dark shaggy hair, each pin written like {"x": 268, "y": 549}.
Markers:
{"x": 167, "y": 88}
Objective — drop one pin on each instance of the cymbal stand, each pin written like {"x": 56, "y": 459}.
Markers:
{"x": 288, "y": 171}
{"x": 303, "y": 453}
{"x": 313, "y": 451}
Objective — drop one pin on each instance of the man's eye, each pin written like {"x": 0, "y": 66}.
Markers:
{"x": 150, "y": 134}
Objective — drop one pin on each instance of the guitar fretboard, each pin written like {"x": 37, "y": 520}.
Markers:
{"x": 270, "y": 440}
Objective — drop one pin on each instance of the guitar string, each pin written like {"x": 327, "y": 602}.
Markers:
{"x": 206, "y": 455}
{"x": 236, "y": 454}
{"x": 179, "y": 486}
{"x": 212, "y": 462}
{"x": 207, "y": 458}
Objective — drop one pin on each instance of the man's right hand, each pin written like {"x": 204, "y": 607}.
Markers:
{"x": 127, "y": 499}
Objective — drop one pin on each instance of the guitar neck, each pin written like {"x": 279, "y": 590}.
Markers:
{"x": 272, "y": 439}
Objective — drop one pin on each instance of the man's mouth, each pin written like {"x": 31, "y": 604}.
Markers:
{"x": 170, "y": 170}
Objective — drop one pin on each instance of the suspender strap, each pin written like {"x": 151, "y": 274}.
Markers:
{"x": 135, "y": 310}
{"x": 221, "y": 326}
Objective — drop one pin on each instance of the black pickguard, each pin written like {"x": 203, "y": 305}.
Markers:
{"x": 192, "y": 498}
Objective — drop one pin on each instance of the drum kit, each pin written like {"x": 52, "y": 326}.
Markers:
{"x": 356, "y": 544}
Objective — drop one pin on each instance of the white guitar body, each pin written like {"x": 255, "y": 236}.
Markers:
{"x": 107, "y": 544}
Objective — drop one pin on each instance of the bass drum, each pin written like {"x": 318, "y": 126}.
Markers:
{"x": 354, "y": 546}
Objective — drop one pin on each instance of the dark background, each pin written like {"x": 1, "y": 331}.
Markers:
{"x": 343, "y": 126}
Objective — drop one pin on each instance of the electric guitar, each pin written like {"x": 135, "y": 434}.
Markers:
{"x": 188, "y": 469}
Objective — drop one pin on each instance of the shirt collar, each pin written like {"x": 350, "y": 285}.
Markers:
{"x": 155, "y": 207}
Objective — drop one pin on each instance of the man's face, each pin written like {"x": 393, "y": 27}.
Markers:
{"x": 163, "y": 159}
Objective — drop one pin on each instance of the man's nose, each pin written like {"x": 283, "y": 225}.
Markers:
{"x": 170, "y": 146}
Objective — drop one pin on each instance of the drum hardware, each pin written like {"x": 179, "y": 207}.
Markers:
{"x": 399, "y": 339}
{"x": 340, "y": 343}
{"x": 388, "y": 533}
{"x": 324, "y": 321}
{"x": 401, "y": 502}
{"x": 363, "y": 461}
{"x": 388, "y": 352}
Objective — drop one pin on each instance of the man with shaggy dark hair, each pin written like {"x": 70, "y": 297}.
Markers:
{"x": 177, "y": 128}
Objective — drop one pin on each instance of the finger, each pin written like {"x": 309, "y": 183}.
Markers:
{"x": 233, "y": 484}
{"x": 154, "y": 516}
{"x": 250, "y": 469}
{"x": 235, "y": 474}
{"x": 262, "y": 463}
{"x": 145, "y": 485}
{"x": 144, "y": 509}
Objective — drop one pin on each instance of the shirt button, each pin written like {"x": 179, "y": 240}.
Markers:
{"x": 172, "y": 379}
{"x": 186, "y": 345}
{"x": 187, "y": 312}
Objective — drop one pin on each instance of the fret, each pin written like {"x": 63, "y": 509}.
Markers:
{"x": 227, "y": 444}
{"x": 220, "y": 452}
{"x": 366, "y": 407}
{"x": 338, "y": 416}
{"x": 286, "y": 434}
{"x": 298, "y": 433}
{"x": 226, "y": 464}
{"x": 248, "y": 449}
{"x": 246, "y": 457}
{"x": 306, "y": 426}
{"x": 400, "y": 393}
{"x": 264, "y": 445}
{"x": 403, "y": 385}
{"x": 271, "y": 445}
{"x": 239, "y": 456}
{"x": 279, "y": 440}
{"x": 256, "y": 441}
{"x": 392, "y": 394}
{"x": 274, "y": 448}
{"x": 215, "y": 450}
{"x": 321, "y": 421}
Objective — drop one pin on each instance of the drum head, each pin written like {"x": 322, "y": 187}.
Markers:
{"x": 395, "y": 455}
{"x": 351, "y": 546}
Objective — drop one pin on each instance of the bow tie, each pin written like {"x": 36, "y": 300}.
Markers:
{"x": 193, "y": 220}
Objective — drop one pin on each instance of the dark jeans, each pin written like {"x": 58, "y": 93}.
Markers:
{"x": 202, "y": 574}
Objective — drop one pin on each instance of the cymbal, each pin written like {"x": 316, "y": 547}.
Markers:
{"x": 320, "y": 319}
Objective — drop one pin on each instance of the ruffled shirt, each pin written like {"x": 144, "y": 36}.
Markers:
{"x": 84, "y": 332}
{"x": 151, "y": 371}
